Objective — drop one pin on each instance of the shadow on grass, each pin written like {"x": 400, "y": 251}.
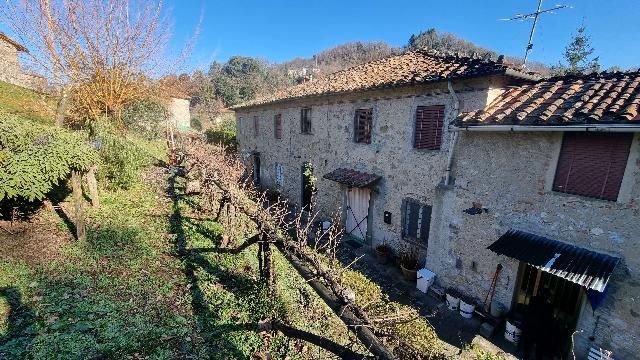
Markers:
{"x": 115, "y": 241}
{"x": 20, "y": 327}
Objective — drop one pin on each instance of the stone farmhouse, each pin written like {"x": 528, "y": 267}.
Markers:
{"x": 10, "y": 69}
{"x": 478, "y": 164}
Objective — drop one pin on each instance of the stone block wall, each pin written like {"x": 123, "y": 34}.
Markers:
{"x": 511, "y": 174}
{"x": 11, "y": 72}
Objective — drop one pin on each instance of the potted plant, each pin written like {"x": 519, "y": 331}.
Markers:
{"x": 453, "y": 299}
{"x": 383, "y": 253}
{"x": 409, "y": 262}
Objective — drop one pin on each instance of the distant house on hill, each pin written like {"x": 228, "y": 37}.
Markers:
{"x": 512, "y": 187}
{"x": 10, "y": 69}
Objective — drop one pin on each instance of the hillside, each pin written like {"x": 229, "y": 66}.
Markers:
{"x": 27, "y": 103}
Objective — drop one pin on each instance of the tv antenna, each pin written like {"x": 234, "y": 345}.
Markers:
{"x": 534, "y": 15}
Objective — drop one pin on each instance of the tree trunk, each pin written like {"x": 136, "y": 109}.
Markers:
{"x": 81, "y": 229}
{"x": 92, "y": 183}
{"x": 62, "y": 106}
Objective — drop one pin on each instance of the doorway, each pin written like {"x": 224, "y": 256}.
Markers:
{"x": 567, "y": 299}
{"x": 308, "y": 185}
{"x": 357, "y": 212}
{"x": 256, "y": 170}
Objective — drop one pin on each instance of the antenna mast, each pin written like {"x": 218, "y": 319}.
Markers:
{"x": 534, "y": 15}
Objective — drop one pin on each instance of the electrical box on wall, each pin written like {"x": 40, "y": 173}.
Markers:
{"x": 387, "y": 217}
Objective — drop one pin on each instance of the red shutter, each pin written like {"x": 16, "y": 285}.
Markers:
{"x": 363, "y": 125}
{"x": 592, "y": 164}
{"x": 429, "y": 124}
{"x": 277, "y": 126}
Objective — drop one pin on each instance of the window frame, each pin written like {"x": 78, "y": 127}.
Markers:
{"x": 277, "y": 126}
{"x": 256, "y": 126}
{"x": 305, "y": 121}
{"x": 423, "y": 225}
{"x": 366, "y": 139}
{"x": 575, "y": 164}
{"x": 417, "y": 143}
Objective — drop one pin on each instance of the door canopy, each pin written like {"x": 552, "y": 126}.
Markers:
{"x": 352, "y": 178}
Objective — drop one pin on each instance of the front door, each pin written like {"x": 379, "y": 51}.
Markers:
{"x": 357, "y": 212}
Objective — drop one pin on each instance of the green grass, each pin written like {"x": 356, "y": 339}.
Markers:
{"x": 27, "y": 103}
{"x": 151, "y": 282}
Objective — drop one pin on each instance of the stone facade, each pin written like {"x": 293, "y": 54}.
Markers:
{"x": 406, "y": 172}
{"x": 11, "y": 71}
{"x": 511, "y": 175}
{"x": 508, "y": 173}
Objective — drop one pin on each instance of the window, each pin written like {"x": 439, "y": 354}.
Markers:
{"x": 429, "y": 124}
{"x": 416, "y": 219}
{"x": 277, "y": 126}
{"x": 363, "y": 125}
{"x": 305, "y": 120}
{"x": 256, "y": 126}
{"x": 241, "y": 125}
{"x": 279, "y": 177}
{"x": 592, "y": 164}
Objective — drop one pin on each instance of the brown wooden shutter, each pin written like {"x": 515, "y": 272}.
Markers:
{"x": 592, "y": 164}
{"x": 429, "y": 124}
{"x": 277, "y": 126}
{"x": 256, "y": 128}
{"x": 363, "y": 125}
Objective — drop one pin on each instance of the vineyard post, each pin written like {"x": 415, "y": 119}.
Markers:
{"x": 76, "y": 182}
{"x": 92, "y": 183}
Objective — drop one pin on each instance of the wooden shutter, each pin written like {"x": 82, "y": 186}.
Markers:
{"x": 256, "y": 129}
{"x": 305, "y": 120}
{"x": 592, "y": 164}
{"x": 363, "y": 125}
{"x": 425, "y": 223}
{"x": 428, "y": 129}
{"x": 416, "y": 221}
{"x": 277, "y": 126}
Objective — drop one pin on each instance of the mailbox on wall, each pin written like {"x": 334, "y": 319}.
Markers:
{"x": 387, "y": 217}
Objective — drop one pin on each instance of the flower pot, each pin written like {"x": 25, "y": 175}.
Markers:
{"x": 466, "y": 309}
{"x": 453, "y": 302}
{"x": 383, "y": 254}
{"x": 409, "y": 274}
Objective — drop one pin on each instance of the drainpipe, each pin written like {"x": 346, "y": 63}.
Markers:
{"x": 454, "y": 139}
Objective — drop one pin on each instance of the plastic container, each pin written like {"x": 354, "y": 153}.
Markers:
{"x": 466, "y": 309}
{"x": 497, "y": 309}
{"x": 425, "y": 280}
{"x": 452, "y": 302}
{"x": 513, "y": 328}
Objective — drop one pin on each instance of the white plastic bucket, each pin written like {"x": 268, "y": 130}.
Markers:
{"x": 466, "y": 310}
{"x": 512, "y": 333}
{"x": 452, "y": 302}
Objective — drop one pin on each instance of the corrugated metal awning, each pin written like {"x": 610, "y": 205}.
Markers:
{"x": 581, "y": 266}
{"x": 353, "y": 178}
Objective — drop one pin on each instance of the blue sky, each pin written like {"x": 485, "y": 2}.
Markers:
{"x": 279, "y": 30}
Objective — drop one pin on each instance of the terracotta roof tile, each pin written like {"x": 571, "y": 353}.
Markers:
{"x": 607, "y": 98}
{"x": 13, "y": 43}
{"x": 410, "y": 68}
{"x": 353, "y": 178}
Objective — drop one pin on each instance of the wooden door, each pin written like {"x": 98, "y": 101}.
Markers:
{"x": 357, "y": 210}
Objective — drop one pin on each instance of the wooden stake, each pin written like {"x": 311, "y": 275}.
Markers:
{"x": 81, "y": 229}
{"x": 93, "y": 186}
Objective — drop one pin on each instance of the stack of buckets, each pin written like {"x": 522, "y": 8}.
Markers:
{"x": 466, "y": 309}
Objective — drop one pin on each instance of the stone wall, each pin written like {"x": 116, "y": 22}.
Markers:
{"x": 511, "y": 175}
{"x": 11, "y": 72}
{"x": 406, "y": 172}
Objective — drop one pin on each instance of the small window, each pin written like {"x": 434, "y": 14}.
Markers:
{"x": 363, "y": 125}
{"x": 416, "y": 220}
{"x": 305, "y": 120}
{"x": 241, "y": 125}
{"x": 429, "y": 125}
{"x": 256, "y": 126}
{"x": 279, "y": 177}
{"x": 592, "y": 164}
{"x": 277, "y": 126}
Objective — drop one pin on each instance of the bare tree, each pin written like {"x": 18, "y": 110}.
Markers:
{"x": 103, "y": 52}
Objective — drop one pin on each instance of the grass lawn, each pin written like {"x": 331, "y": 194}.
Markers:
{"x": 149, "y": 283}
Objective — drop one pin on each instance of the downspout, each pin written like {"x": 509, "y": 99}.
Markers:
{"x": 454, "y": 138}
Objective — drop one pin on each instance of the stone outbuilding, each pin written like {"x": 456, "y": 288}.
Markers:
{"x": 473, "y": 163}
{"x": 10, "y": 69}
